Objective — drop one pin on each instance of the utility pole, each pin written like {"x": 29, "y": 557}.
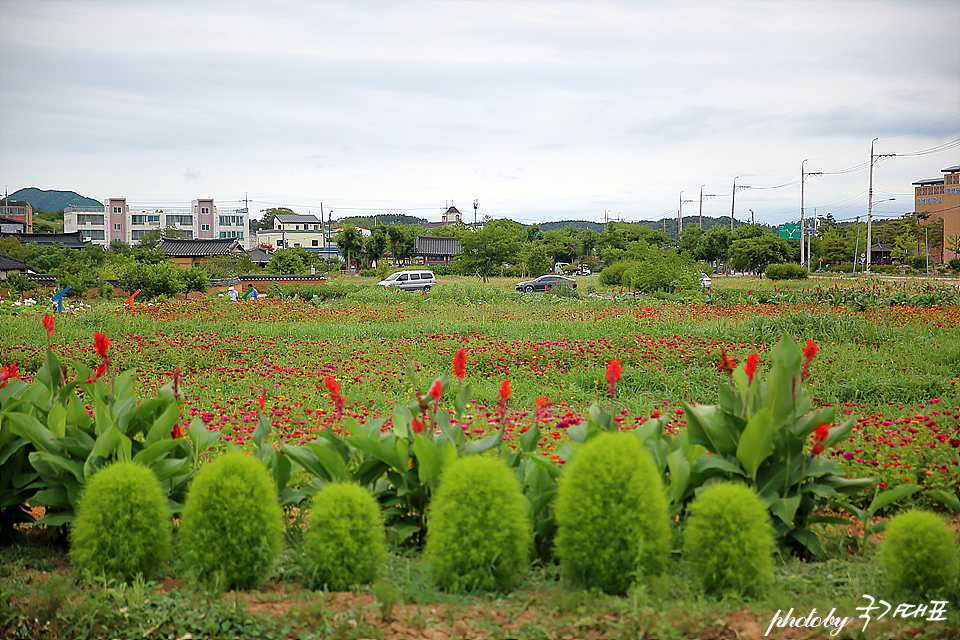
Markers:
{"x": 680, "y": 217}
{"x": 856, "y": 248}
{"x": 870, "y": 199}
{"x": 926, "y": 246}
{"x": 733, "y": 200}
{"x": 702, "y": 196}
{"x": 803, "y": 227}
{"x": 476, "y": 205}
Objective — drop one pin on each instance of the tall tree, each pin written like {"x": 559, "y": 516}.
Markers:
{"x": 376, "y": 245}
{"x": 350, "y": 242}
{"x": 485, "y": 251}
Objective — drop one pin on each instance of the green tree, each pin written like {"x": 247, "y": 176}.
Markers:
{"x": 485, "y": 251}
{"x": 835, "y": 248}
{"x": 350, "y": 243}
{"x": 376, "y": 244}
{"x": 153, "y": 280}
{"x": 563, "y": 245}
{"x": 286, "y": 262}
{"x": 714, "y": 245}
{"x": 666, "y": 271}
{"x": 538, "y": 262}
{"x": 754, "y": 254}
{"x": 194, "y": 279}
{"x": 269, "y": 214}
{"x": 690, "y": 237}
{"x": 231, "y": 265}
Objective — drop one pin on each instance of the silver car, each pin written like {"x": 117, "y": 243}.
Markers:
{"x": 410, "y": 280}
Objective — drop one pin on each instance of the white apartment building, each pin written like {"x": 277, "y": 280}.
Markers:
{"x": 117, "y": 220}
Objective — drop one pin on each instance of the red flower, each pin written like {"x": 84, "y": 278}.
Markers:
{"x": 809, "y": 353}
{"x": 334, "y": 388}
{"x": 177, "y": 432}
{"x": 417, "y": 426}
{"x": 613, "y": 375}
{"x": 460, "y": 364}
{"x": 100, "y": 372}
{"x": 48, "y": 324}
{"x": 727, "y": 363}
{"x": 101, "y": 343}
{"x": 751, "y": 367}
{"x": 505, "y": 391}
{"x": 436, "y": 391}
{"x": 543, "y": 403}
{"x": 8, "y": 371}
{"x": 819, "y": 436}
{"x": 262, "y": 400}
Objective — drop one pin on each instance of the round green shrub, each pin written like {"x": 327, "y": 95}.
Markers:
{"x": 123, "y": 526}
{"x": 920, "y": 554}
{"x": 786, "y": 271}
{"x": 231, "y": 526}
{"x": 345, "y": 542}
{"x": 479, "y": 534}
{"x": 729, "y": 541}
{"x": 612, "y": 523}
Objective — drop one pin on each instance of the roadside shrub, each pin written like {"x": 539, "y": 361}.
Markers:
{"x": 123, "y": 525}
{"x": 919, "y": 262}
{"x": 611, "y": 515}
{"x": 345, "y": 542}
{"x": 954, "y": 263}
{"x": 231, "y": 525}
{"x": 479, "y": 536}
{"x": 786, "y": 271}
{"x": 920, "y": 555}
{"x": 728, "y": 540}
{"x": 614, "y": 274}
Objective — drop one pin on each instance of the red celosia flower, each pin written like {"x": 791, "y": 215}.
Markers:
{"x": 436, "y": 391}
{"x": 727, "y": 363}
{"x": 101, "y": 343}
{"x": 334, "y": 388}
{"x": 6, "y": 372}
{"x": 460, "y": 363}
{"x": 48, "y": 324}
{"x": 819, "y": 435}
{"x": 751, "y": 367}
{"x": 417, "y": 426}
{"x": 613, "y": 375}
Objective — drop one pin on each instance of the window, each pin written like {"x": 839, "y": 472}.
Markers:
{"x": 145, "y": 219}
{"x": 226, "y": 221}
{"x": 184, "y": 220}
{"x": 118, "y": 209}
{"x": 296, "y": 227}
{"x": 187, "y": 235}
{"x": 89, "y": 219}
{"x": 136, "y": 234}
{"x": 117, "y": 226}
{"x": 204, "y": 227}
{"x": 238, "y": 234}
{"x": 316, "y": 227}
{"x": 402, "y": 278}
{"x": 204, "y": 209}
{"x": 414, "y": 276}
{"x": 314, "y": 243}
{"x": 93, "y": 234}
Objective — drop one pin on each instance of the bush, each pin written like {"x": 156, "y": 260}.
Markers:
{"x": 728, "y": 540}
{"x": 919, "y": 262}
{"x": 231, "y": 525}
{"x": 479, "y": 536}
{"x": 920, "y": 554}
{"x": 345, "y": 543}
{"x": 612, "y": 524}
{"x": 614, "y": 274}
{"x": 123, "y": 525}
{"x": 954, "y": 263}
{"x": 786, "y": 271}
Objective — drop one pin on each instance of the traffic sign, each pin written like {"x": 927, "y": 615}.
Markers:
{"x": 790, "y": 231}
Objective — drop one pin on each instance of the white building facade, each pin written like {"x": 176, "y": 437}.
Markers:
{"x": 117, "y": 220}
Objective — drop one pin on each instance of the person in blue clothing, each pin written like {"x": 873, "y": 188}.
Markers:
{"x": 252, "y": 293}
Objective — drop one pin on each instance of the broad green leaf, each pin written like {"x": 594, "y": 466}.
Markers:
{"x": 163, "y": 426}
{"x": 449, "y": 453}
{"x": 77, "y": 414}
{"x": 27, "y": 426}
{"x": 201, "y": 437}
{"x": 808, "y": 539}
{"x": 892, "y": 495}
{"x": 377, "y": 450}
{"x": 877, "y": 527}
{"x": 847, "y": 485}
{"x": 805, "y": 425}
{"x": 713, "y": 429}
{"x": 402, "y": 447}
{"x": 679, "y": 474}
{"x": 783, "y": 379}
{"x": 51, "y": 373}
{"x": 453, "y": 432}
{"x": 461, "y": 401}
{"x": 785, "y": 508}
{"x": 839, "y": 433}
{"x": 710, "y": 462}
{"x": 530, "y": 438}
{"x": 402, "y": 531}
{"x": 54, "y": 497}
{"x": 74, "y": 467}
{"x": 57, "y": 419}
{"x": 170, "y": 467}
{"x": 483, "y": 444}
{"x": 57, "y": 519}
{"x": 148, "y": 455}
{"x": 373, "y": 427}
{"x": 756, "y": 442}
{"x": 402, "y": 417}
{"x": 11, "y": 448}
{"x": 948, "y": 499}
{"x": 430, "y": 464}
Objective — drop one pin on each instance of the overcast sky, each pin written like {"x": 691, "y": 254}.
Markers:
{"x": 540, "y": 110}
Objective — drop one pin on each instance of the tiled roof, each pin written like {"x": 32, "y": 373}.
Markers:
{"x": 927, "y": 181}
{"x": 436, "y": 246}
{"x": 8, "y": 263}
{"x": 199, "y": 246}
{"x": 69, "y": 240}
{"x": 954, "y": 169}
{"x": 286, "y": 217}
{"x": 258, "y": 255}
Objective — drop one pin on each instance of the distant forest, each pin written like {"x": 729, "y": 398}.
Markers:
{"x": 53, "y": 200}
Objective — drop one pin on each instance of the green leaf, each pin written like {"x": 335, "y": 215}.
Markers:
{"x": 783, "y": 379}
{"x": 483, "y": 444}
{"x": 785, "y": 508}
{"x": 373, "y": 427}
{"x": 839, "y": 433}
{"x": 51, "y": 373}
{"x": 708, "y": 462}
{"x": 150, "y": 454}
{"x": 449, "y": 453}
{"x": 461, "y": 401}
{"x": 756, "y": 442}
{"x": 201, "y": 437}
{"x": 57, "y": 419}
{"x": 29, "y": 427}
{"x": 163, "y": 425}
{"x": 401, "y": 422}
{"x": 892, "y": 495}
{"x": 679, "y": 475}
{"x": 430, "y": 464}
{"x": 530, "y": 438}
{"x": 377, "y": 450}
{"x": 170, "y": 467}
{"x": 57, "y": 519}
{"x": 948, "y": 499}
{"x": 827, "y": 520}
{"x": 453, "y": 432}
{"x": 713, "y": 429}
{"x": 809, "y": 540}
{"x": 73, "y": 467}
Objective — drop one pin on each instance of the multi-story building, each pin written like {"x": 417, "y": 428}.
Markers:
{"x": 17, "y": 210}
{"x": 117, "y": 220}
{"x": 298, "y": 230}
{"x": 940, "y": 198}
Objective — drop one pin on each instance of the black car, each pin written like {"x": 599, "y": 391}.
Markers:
{"x": 546, "y": 283}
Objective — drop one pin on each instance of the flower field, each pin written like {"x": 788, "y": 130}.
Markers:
{"x": 538, "y": 372}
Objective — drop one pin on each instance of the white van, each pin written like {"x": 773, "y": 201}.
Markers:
{"x": 410, "y": 280}
{"x": 558, "y": 266}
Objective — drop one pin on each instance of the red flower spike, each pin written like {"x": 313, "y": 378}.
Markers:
{"x": 809, "y": 353}
{"x": 727, "y": 363}
{"x": 100, "y": 372}
{"x": 505, "y": 391}
{"x": 460, "y": 364}
{"x": 262, "y": 400}
{"x": 819, "y": 436}
{"x": 613, "y": 375}
{"x": 48, "y": 324}
{"x": 101, "y": 343}
{"x": 8, "y": 371}
{"x": 334, "y": 388}
{"x": 751, "y": 367}
{"x": 436, "y": 391}
{"x": 417, "y": 426}
{"x": 177, "y": 432}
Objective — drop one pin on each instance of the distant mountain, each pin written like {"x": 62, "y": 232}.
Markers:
{"x": 390, "y": 218}
{"x": 579, "y": 224}
{"x": 53, "y": 200}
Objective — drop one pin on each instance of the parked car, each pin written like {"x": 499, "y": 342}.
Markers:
{"x": 410, "y": 280}
{"x": 558, "y": 266}
{"x": 545, "y": 283}
{"x": 585, "y": 271}
{"x": 705, "y": 281}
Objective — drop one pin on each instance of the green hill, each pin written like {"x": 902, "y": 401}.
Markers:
{"x": 50, "y": 200}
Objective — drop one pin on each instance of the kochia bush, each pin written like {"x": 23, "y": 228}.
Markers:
{"x": 123, "y": 525}
{"x": 231, "y": 525}
{"x": 479, "y": 536}
{"x": 920, "y": 555}
{"x": 345, "y": 542}
{"x": 612, "y": 523}
{"x": 729, "y": 541}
